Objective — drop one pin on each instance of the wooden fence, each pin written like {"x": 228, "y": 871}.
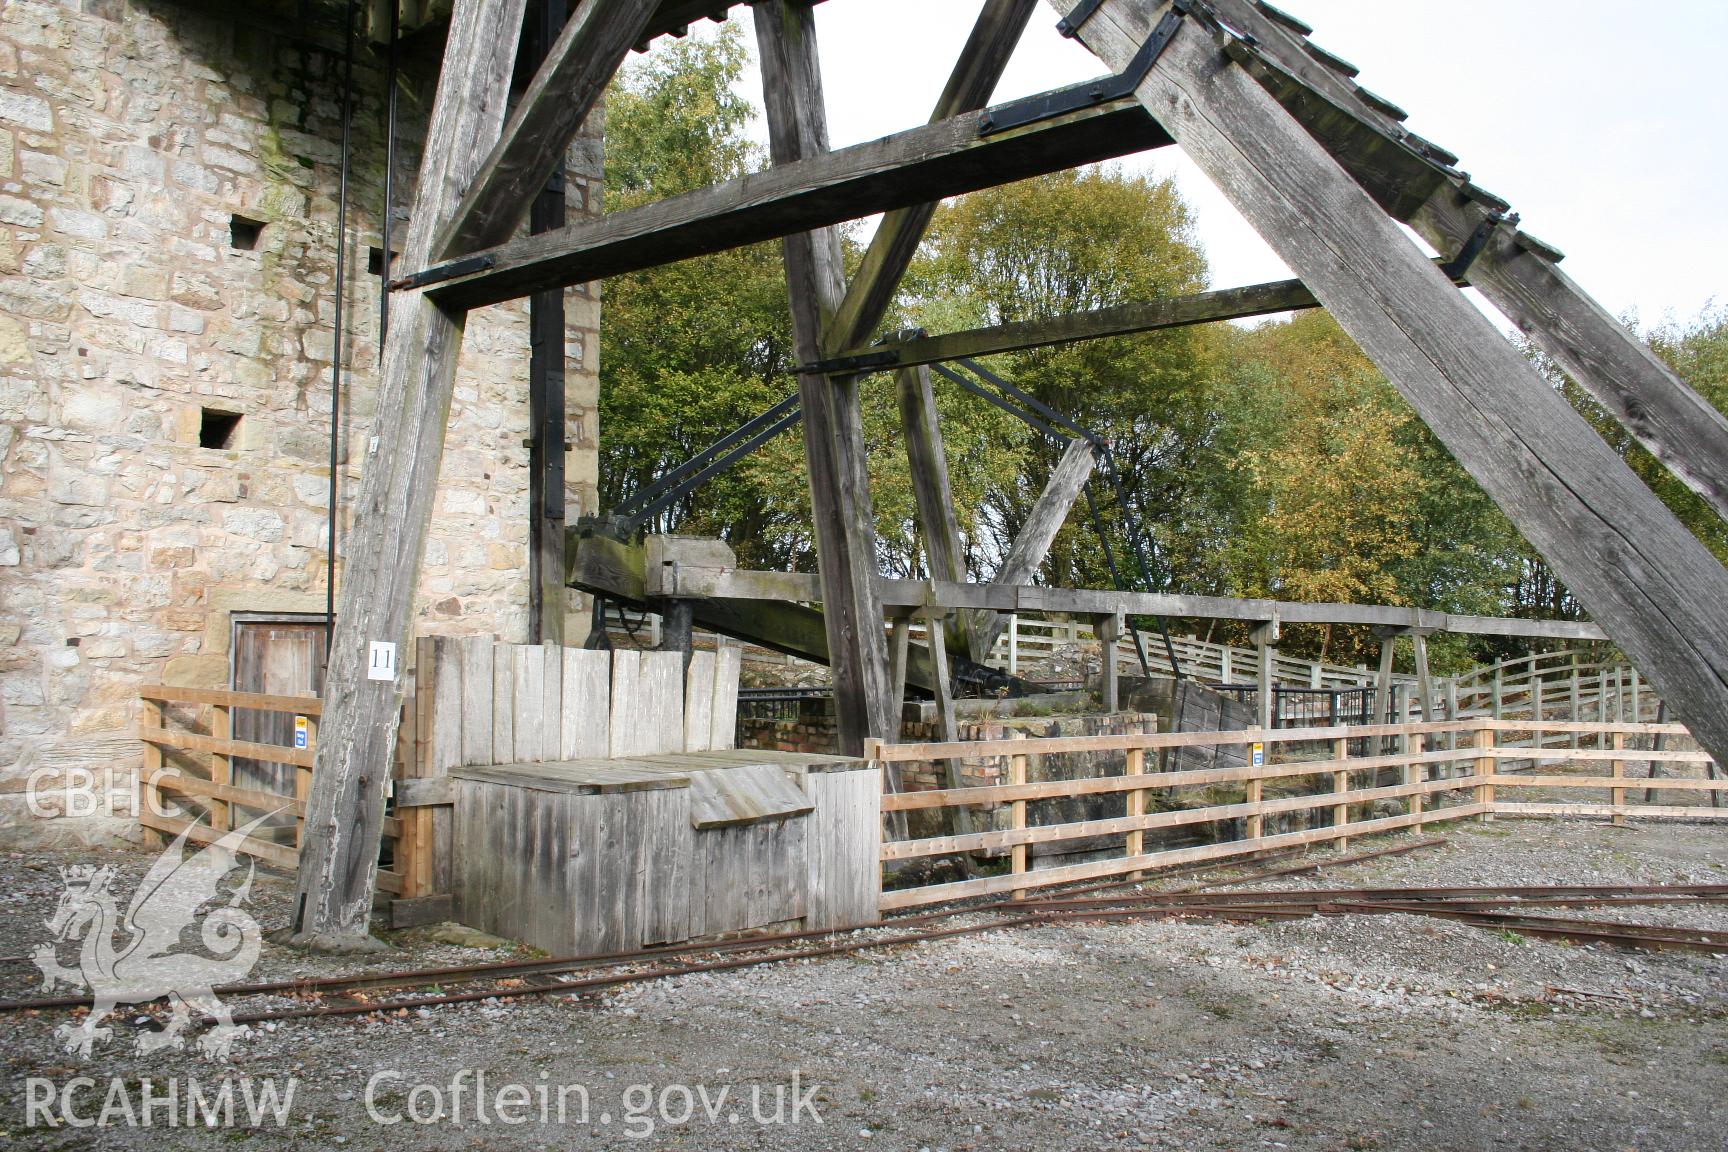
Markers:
{"x": 217, "y": 797}
{"x": 1443, "y": 771}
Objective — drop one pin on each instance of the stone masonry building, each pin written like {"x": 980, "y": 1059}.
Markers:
{"x": 170, "y": 174}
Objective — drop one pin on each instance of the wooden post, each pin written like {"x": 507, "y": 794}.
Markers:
{"x": 1383, "y": 686}
{"x": 1577, "y": 699}
{"x": 1252, "y": 790}
{"x": 1485, "y": 768}
{"x": 1108, "y": 630}
{"x": 1017, "y": 812}
{"x": 1617, "y": 796}
{"x": 221, "y": 765}
{"x": 1416, "y": 773}
{"x": 1451, "y": 712}
{"x": 833, "y": 421}
{"x": 1014, "y": 644}
{"x": 1602, "y": 706}
{"x": 1134, "y": 844}
{"x": 398, "y": 479}
{"x": 945, "y": 719}
{"x": 1265, "y": 636}
{"x": 1224, "y": 669}
{"x": 927, "y": 464}
{"x": 899, "y": 650}
{"x": 1499, "y": 697}
{"x": 1341, "y": 785}
{"x": 1637, "y": 704}
{"x": 149, "y": 795}
{"x": 1656, "y": 590}
{"x": 544, "y": 21}
{"x": 1424, "y": 686}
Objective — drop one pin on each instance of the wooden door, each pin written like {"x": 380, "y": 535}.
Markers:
{"x": 281, "y": 657}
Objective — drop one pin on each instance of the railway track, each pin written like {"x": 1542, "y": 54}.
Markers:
{"x": 1491, "y": 908}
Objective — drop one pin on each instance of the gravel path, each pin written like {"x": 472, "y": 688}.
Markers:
{"x": 1341, "y": 1032}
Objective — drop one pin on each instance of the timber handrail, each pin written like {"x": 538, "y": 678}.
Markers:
{"x": 217, "y": 795}
{"x": 1469, "y": 771}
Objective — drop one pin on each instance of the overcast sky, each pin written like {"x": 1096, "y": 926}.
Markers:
{"x": 1602, "y": 123}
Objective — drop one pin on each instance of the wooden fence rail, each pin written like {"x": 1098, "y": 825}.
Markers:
{"x": 218, "y": 796}
{"x": 1441, "y": 771}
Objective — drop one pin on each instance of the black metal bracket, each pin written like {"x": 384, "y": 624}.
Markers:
{"x": 1459, "y": 266}
{"x": 439, "y": 273}
{"x": 1092, "y": 92}
{"x": 847, "y": 365}
{"x": 1070, "y": 24}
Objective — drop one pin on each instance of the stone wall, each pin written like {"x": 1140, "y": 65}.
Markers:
{"x": 141, "y": 144}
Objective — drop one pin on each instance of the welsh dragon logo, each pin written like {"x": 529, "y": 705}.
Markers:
{"x": 153, "y": 961}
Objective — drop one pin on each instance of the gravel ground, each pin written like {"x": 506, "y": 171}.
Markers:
{"x": 1342, "y": 1032}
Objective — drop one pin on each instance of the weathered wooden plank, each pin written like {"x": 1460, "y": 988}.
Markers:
{"x": 723, "y": 712}
{"x": 912, "y": 167}
{"x": 398, "y": 480}
{"x": 667, "y": 847}
{"x": 699, "y": 702}
{"x": 840, "y": 849}
{"x": 987, "y": 51}
{"x": 833, "y": 422}
{"x": 660, "y": 720}
{"x": 585, "y": 720}
{"x": 263, "y": 702}
{"x": 1651, "y": 585}
{"x": 476, "y": 656}
{"x": 503, "y": 704}
{"x": 626, "y": 706}
{"x": 528, "y": 701}
{"x": 544, "y": 122}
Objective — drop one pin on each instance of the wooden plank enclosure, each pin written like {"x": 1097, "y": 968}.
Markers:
{"x": 470, "y": 701}
{"x": 589, "y": 856}
{"x": 1446, "y": 771}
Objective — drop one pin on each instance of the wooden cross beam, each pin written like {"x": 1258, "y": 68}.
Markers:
{"x": 1645, "y": 579}
{"x": 1032, "y": 544}
{"x": 816, "y": 190}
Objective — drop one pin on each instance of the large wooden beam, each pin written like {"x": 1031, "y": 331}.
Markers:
{"x": 833, "y": 421}
{"x": 545, "y": 22}
{"x": 1120, "y": 320}
{"x": 1517, "y": 274}
{"x": 814, "y": 191}
{"x": 1032, "y": 544}
{"x": 891, "y": 249}
{"x": 569, "y": 82}
{"x": 398, "y": 479}
{"x": 1644, "y": 578}
{"x": 927, "y": 464}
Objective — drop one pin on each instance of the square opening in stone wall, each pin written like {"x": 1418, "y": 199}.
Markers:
{"x": 375, "y": 260}
{"x": 243, "y": 233}
{"x": 218, "y": 429}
